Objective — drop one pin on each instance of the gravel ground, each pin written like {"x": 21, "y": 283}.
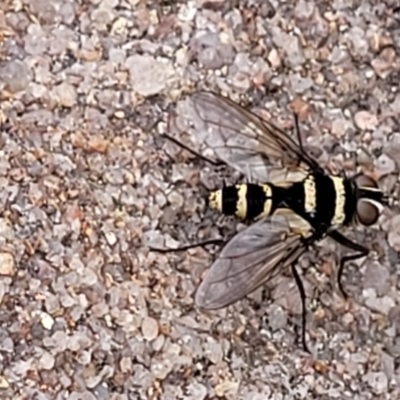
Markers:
{"x": 87, "y": 311}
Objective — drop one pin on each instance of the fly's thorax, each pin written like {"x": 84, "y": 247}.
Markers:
{"x": 321, "y": 199}
{"x": 310, "y": 195}
{"x": 335, "y": 205}
{"x": 369, "y": 200}
{"x": 246, "y": 201}
{"x": 340, "y": 213}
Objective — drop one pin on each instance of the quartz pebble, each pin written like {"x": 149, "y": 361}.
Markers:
{"x": 149, "y": 328}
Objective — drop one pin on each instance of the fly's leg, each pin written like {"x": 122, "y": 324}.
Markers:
{"x": 300, "y": 286}
{"x": 361, "y": 252}
{"x": 341, "y": 267}
{"x": 191, "y": 151}
{"x": 307, "y": 242}
{"x": 188, "y": 247}
{"x": 314, "y": 165}
{"x": 297, "y": 127}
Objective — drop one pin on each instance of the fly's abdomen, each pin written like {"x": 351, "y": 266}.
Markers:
{"x": 246, "y": 201}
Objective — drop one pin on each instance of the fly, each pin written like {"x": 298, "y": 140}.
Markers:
{"x": 294, "y": 202}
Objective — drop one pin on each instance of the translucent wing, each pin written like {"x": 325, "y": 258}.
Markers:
{"x": 242, "y": 139}
{"x": 251, "y": 258}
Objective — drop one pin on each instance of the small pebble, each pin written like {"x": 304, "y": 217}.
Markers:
{"x": 365, "y": 120}
{"x": 47, "y": 321}
{"x": 149, "y": 328}
{"x": 7, "y": 264}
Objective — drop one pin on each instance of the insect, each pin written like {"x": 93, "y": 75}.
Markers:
{"x": 295, "y": 202}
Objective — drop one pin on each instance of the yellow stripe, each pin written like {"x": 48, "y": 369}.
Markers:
{"x": 268, "y": 202}
{"x": 241, "y": 207}
{"x": 215, "y": 200}
{"x": 310, "y": 195}
{"x": 339, "y": 216}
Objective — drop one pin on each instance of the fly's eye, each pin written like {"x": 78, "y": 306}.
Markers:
{"x": 367, "y": 212}
{"x": 365, "y": 181}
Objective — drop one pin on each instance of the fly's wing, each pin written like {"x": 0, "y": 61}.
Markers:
{"x": 251, "y": 258}
{"x": 285, "y": 177}
{"x": 242, "y": 139}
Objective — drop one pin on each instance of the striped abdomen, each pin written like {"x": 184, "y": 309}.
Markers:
{"x": 323, "y": 200}
{"x": 246, "y": 201}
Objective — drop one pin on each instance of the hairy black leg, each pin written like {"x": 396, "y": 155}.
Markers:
{"x": 304, "y": 155}
{"x": 344, "y": 241}
{"x": 191, "y": 151}
{"x": 190, "y": 246}
{"x": 297, "y": 127}
{"x": 299, "y": 284}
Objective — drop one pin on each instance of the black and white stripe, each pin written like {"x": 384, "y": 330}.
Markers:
{"x": 246, "y": 201}
{"x": 322, "y": 199}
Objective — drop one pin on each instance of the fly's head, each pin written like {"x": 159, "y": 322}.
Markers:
{"x": 370, "y": 200}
